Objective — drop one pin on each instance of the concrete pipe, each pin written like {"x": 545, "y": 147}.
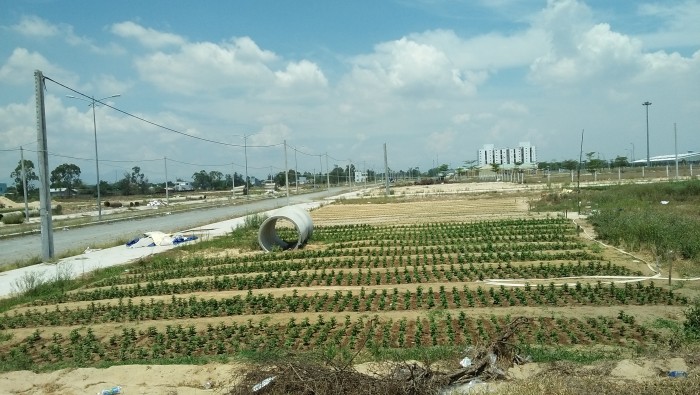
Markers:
{"x": 300, "y": 218}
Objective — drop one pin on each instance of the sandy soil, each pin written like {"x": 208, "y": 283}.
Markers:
{"x": 133, "y": 379}
{"x": 216, "y": 378}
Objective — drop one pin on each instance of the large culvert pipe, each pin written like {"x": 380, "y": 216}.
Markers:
{"x": 268, "y": 237}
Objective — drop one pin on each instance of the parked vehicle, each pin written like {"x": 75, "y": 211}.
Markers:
{"x": 183, "y": 186}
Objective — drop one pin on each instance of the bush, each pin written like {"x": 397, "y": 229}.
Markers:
{"x": 28, "y": 283}
{"x": 58, "y": 210}
{"x": 691, "y": 326}
{"x": 13, "y": 219}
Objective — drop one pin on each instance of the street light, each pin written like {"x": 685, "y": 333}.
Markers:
{"x": 646, "y": 104}
{"x": 97, "y": 160}
{"x": 632, "y": 144}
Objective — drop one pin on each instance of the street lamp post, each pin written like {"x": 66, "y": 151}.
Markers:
{"x": 97, "y": 160}
{"x": 646, "y": 104}
{"x": 632, "y": 144}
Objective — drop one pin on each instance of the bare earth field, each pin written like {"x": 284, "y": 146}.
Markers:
{"x": 574, "y": 310}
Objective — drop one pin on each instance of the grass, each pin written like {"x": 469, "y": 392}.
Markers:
{"x": 51, "y": 288}
{"x": 581, "y": 356}
{"x": 633, "y": 216}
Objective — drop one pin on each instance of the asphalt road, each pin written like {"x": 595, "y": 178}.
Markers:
{"x": 78, "y": 239}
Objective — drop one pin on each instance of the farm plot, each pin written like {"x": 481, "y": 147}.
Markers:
{"x": 364, "y": 286}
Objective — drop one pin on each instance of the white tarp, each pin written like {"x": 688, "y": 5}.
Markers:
{"x": 156, "y": 238}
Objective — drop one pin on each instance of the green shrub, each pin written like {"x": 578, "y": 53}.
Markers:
{"x": 691, "y": 326}
{"x": 13, "y": 219}
{"x": 58, "y": 210}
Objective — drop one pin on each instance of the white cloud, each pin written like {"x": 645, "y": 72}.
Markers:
{"x": 488, "y": 51}
{"x": 19, "y": 68}
{"x": 408, "y": 68}
{"x": 582, "y": 52}
{"x": 34, "y": 26}
{"x": 301, "y": 74}
{"x": 680, "y": 27}
{"x": 146, "y": 36}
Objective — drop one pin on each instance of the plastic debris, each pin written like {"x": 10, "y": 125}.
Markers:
{"x": 111, "y": 391}
{"x": 257, "y": 387}
{"x": 664, "y": 202}
{"x": 677, "y": 373}
{"x": 466, "y": 362}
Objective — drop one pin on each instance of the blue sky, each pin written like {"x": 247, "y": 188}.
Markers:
{"x": 433, "y": 79}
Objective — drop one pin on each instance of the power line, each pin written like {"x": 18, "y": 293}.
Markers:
{"x": 169, "y": 129}
{"x": 154, "y": 123}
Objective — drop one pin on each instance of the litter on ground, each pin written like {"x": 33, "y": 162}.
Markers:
{"x": 152, "y": 239}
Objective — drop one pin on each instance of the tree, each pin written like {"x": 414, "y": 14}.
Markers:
{"x": 30, "y": 176}
{"x": 65, "y": 176}
{"x": 201, "y": 180}
{"x": 620, "y": 161}
{"x": 139, "y": 180}
{"x": 495, "y": 167}
{"x": 217, "y": 180}
{"x": 570, "y": 164}
{"x": 593, "y": 164}
{"x": 133, "y": 183}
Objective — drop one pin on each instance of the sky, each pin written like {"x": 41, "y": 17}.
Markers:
{"x": 215, "y": 85}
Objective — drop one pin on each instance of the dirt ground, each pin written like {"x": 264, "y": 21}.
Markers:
{"x": 440, "y": 203}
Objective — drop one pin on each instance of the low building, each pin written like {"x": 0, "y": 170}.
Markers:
{"x": 62, "y": 192}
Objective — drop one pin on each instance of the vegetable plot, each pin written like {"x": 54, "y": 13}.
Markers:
{"x": 355, "y": 286}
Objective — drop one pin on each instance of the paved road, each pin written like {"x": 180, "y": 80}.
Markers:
{"x": 78, "y": 239}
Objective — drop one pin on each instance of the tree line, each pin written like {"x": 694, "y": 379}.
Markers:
{"x": 67, "y": 176}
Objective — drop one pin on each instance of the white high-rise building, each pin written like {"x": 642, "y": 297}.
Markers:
{"x": 525, "y": 154}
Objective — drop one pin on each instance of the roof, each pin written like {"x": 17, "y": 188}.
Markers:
{"x": 689, "y": 156}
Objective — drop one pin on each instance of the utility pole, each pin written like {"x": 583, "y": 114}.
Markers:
{"x": 245, "y": 152}
{"x": 286, "y": 171}
{"x": 386, "y": 172}
{"x": 328, "y": 174}
{"x": 167, "y": 195}
{"x": 578, "y": 180}
{"x": 47, "y": 250}
{"x": 24, "y": 184}
{"x": 296, "y": 172}
{"x": 646, "y": 105}
{"x": 675, "y": 143}
{"x": 320, "y": 171}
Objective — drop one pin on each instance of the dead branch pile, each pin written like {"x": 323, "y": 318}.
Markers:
{"x": 493, "y": 361}
{"x": 315, "y": 379}
{"x": 310, "y": 378}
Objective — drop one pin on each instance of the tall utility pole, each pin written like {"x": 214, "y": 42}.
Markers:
{"x": 328, "y": 175}
{"x": 386, "y": 172}
{"x": 92, "y": 102}
{"x": 24, "y": 184}
{"x": 245, "y": 152}
{"x": 296, "y": 172}
{"x": 578, "y": 176}
{"x": 167, "y": 194}
{"x": 286, "y": 171}
{"x": 632, "y": 144}
{"x": 320, "y": 172}
{"x": 47, "y": 250}
{"x": 675, "y": 143}
{"x": 646, "y": 105}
